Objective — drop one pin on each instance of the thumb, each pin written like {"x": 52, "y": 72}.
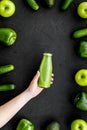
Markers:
{"x": 37, "y": 76}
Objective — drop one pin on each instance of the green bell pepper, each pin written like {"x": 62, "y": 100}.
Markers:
{"x": 80, "y": 101}
{"x": 83, "y": 49}
{"x": 25, "y": 124}
{"x": 8, "y": 36}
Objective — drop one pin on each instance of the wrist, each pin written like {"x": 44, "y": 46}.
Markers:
{"x": 28, "y": 95}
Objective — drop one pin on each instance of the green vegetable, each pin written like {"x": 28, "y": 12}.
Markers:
{"x": 25, "y": 124}
{"x": 7, "y": 87}
{"x": 83, "y": 49}
{"x": 6, "y": 68}
{"x": 8, "y": 36}
{"x": 33, "y": 4}
{"x": 80, "y": 101}
{"x": 80, "y": 33}
{"x": 50, "y": 3}
{"x": 81, "y": 77}
{"x": 66, "y": 4}
{"x": 54, "y": 125}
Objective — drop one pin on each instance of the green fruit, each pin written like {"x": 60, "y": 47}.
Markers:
{"x": 82, "y": 10}
{"x": 79, "y": 124}
{"x": 81, "y": 77}
{"x": 7, "y": 8}
{"x": 53, "y": 126}
{"x": 50, "y": 3}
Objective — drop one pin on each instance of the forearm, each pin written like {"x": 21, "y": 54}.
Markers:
{"x": 9, "y": 109}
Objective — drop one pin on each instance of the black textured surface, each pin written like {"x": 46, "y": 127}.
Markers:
{"x": 47, "y": 30}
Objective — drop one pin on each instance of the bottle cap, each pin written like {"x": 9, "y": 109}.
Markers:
{"x": 48, "y": 54}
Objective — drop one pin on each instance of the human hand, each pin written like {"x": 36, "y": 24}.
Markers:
{"x": 33, "y": 88}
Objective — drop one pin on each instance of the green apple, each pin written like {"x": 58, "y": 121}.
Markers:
{"x": 81, "y": 77}
{"x": 82, "y": 10}
{"x": 7, "y": 8}
{"x": 79, "y": 124}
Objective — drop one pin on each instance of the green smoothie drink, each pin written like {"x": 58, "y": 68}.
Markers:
{"x": 45, "y": 71}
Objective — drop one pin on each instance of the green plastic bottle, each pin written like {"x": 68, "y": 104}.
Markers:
{"x": 45, "y": 71}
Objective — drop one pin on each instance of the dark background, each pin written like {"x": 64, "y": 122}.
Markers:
{"x": 46, "y": 30}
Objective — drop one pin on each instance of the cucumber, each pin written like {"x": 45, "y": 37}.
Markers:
{"x": 66, "y": 4}
{"x": 6, "y": 68}
{"x": 33, "y": 4}
{"x": 7, "y": 87}
{"x": 80, "y": 33}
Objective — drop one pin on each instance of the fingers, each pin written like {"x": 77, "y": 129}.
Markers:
{"x": 52, "y": 75}
{"x": 52, "y": 78}
{"x": 38, "y": 74}
{"x": 51, "y": 83}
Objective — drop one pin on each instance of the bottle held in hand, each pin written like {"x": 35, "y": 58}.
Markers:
{"x": 45, "y": 71}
